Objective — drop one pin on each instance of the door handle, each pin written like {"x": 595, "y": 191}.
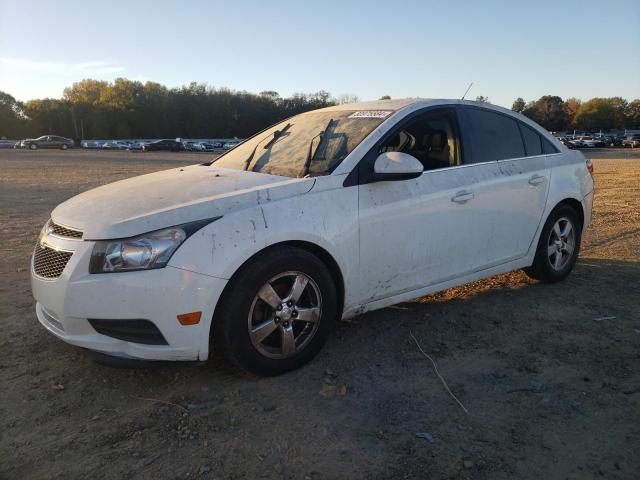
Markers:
{"x": 462, "y": 197}
{"x": 536, "y": 180}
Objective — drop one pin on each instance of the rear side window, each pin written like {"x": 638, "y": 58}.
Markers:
{"x": 547, "y": 147}
{"x": 532, "y": 141}
{"x": 494, "y": 136}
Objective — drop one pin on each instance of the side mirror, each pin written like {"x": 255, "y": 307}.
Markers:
{"x": 396, "y": 166}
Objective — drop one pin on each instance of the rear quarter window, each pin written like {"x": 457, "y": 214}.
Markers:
{"x": 532, "y": 140}
{"x": 548, "y": 147}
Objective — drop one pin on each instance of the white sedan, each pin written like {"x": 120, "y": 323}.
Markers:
{"x": 323, "y": 216}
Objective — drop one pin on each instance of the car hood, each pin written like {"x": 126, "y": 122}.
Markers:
{"x": 171, "y": 197}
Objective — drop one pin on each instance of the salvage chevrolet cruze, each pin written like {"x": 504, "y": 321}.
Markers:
{"x": 324, "y": 216}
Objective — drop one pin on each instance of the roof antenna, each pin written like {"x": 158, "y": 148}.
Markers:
{"x": 465, "y": 93}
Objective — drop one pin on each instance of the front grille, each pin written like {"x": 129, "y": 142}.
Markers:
{"x": 49, "y": 263}
{"x": 61, "y": 231}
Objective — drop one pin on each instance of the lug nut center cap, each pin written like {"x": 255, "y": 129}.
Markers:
{"x": 286, "y": 313}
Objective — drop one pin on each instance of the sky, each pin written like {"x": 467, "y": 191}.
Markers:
{"x": 401, "y": 48}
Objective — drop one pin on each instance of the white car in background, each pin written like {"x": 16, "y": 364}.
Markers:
{"x": 116, "y": 145}
{"x": 587, "y": 142}
{"x": 191, "y": 146}
{"x": 231, "y": 144}
{"x": 326, "y": 215}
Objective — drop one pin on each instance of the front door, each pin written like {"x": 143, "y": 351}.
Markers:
{"x": 427, "y": 230}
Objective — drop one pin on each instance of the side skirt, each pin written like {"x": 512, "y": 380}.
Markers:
{"x": 403, "y": 297}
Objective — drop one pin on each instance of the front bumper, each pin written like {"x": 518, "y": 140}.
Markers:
{"x": 64, "y": 304}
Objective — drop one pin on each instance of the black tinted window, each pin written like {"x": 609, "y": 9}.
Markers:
{"x": 430, "y": 137}
{"x": 547, "y": 147}
{"x": 494, "y": 136}
{"x": 532, "y": 141}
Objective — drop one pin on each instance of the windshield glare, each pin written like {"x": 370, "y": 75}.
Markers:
{"x": 312, "y": 143}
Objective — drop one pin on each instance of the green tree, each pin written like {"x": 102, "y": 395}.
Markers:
{"x": 346, "y": 98}
{"x": 572, "y": 105}
{"x": 271, "y": 95}
{"x": 632, "y": 114}
{"x": 518, "y": 105}
{"x": 385, "y": 97}
{"x": 50, "y": 115}
{"x": 482, "y": 99}
{"x": 13, "y": 122}
{"x": 549, "y": 111}
{"x": 602, "y": 114}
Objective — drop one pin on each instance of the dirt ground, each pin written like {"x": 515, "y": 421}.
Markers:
{"x": 552, "y": 390}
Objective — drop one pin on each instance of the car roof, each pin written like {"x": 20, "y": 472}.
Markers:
{"x": 402, "y": 103}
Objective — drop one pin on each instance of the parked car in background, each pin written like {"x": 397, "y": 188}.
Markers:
{"x": 631, "y": 141}
{"x": 7, "y": 143}
{"x": 608, "y": 140}
{"x": 191, "y": 146}
{"x": 586, "y": 142}
{"x": 231, "y": 144}
{"x": 567, "y": 142}
{"x": 167, "y": 145}
{"x": 616, "y": 141}
{"x": 91, "y": 144}
{"x": 47, "y": 141}
{"x": 116, "y": 145}
{"x": 323, "y": 216}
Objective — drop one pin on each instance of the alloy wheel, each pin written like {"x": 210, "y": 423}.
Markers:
{"x": 562, "y": 242}
{"x": 285, "y": 315}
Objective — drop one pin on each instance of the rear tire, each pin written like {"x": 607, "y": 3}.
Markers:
{"x": 276, "y": 312}
{"x": 63, "y": 147}
{"x": 558, "y": 247}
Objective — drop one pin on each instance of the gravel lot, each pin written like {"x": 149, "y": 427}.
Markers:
{"x": 551, "y": 392}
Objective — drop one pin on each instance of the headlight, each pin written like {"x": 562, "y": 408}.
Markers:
{"x": 148, "y": 251}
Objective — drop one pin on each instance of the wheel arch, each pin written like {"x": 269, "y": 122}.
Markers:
{"x": 325, "y": 257}
{"x": 576, "y": 205}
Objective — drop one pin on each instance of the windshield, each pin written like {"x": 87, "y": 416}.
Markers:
{"x": 312, "y": 143}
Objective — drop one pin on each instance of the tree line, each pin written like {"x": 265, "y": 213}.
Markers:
{"x": 555, "y": 114}
{"x": 132, "y": 109}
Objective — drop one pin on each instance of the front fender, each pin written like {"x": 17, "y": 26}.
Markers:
{"x": 324, "y": 216}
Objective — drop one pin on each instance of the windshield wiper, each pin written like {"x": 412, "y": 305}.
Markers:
{"x": 276, "y": 135}
{"x": 312, "y": 153}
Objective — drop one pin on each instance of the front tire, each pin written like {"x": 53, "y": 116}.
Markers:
{"x": 276, "y": 312}
{"x": 33, "y": 146}
{"x": 63, "y": 147}
{"x": 558, "y": 247}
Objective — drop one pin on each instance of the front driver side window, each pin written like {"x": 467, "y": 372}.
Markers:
{"x": 430, "y": 137}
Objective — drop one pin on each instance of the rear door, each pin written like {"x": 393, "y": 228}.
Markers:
{"x": 520, "y": 190}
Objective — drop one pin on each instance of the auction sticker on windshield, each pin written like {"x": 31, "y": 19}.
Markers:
{"x": 371, "y": 114}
